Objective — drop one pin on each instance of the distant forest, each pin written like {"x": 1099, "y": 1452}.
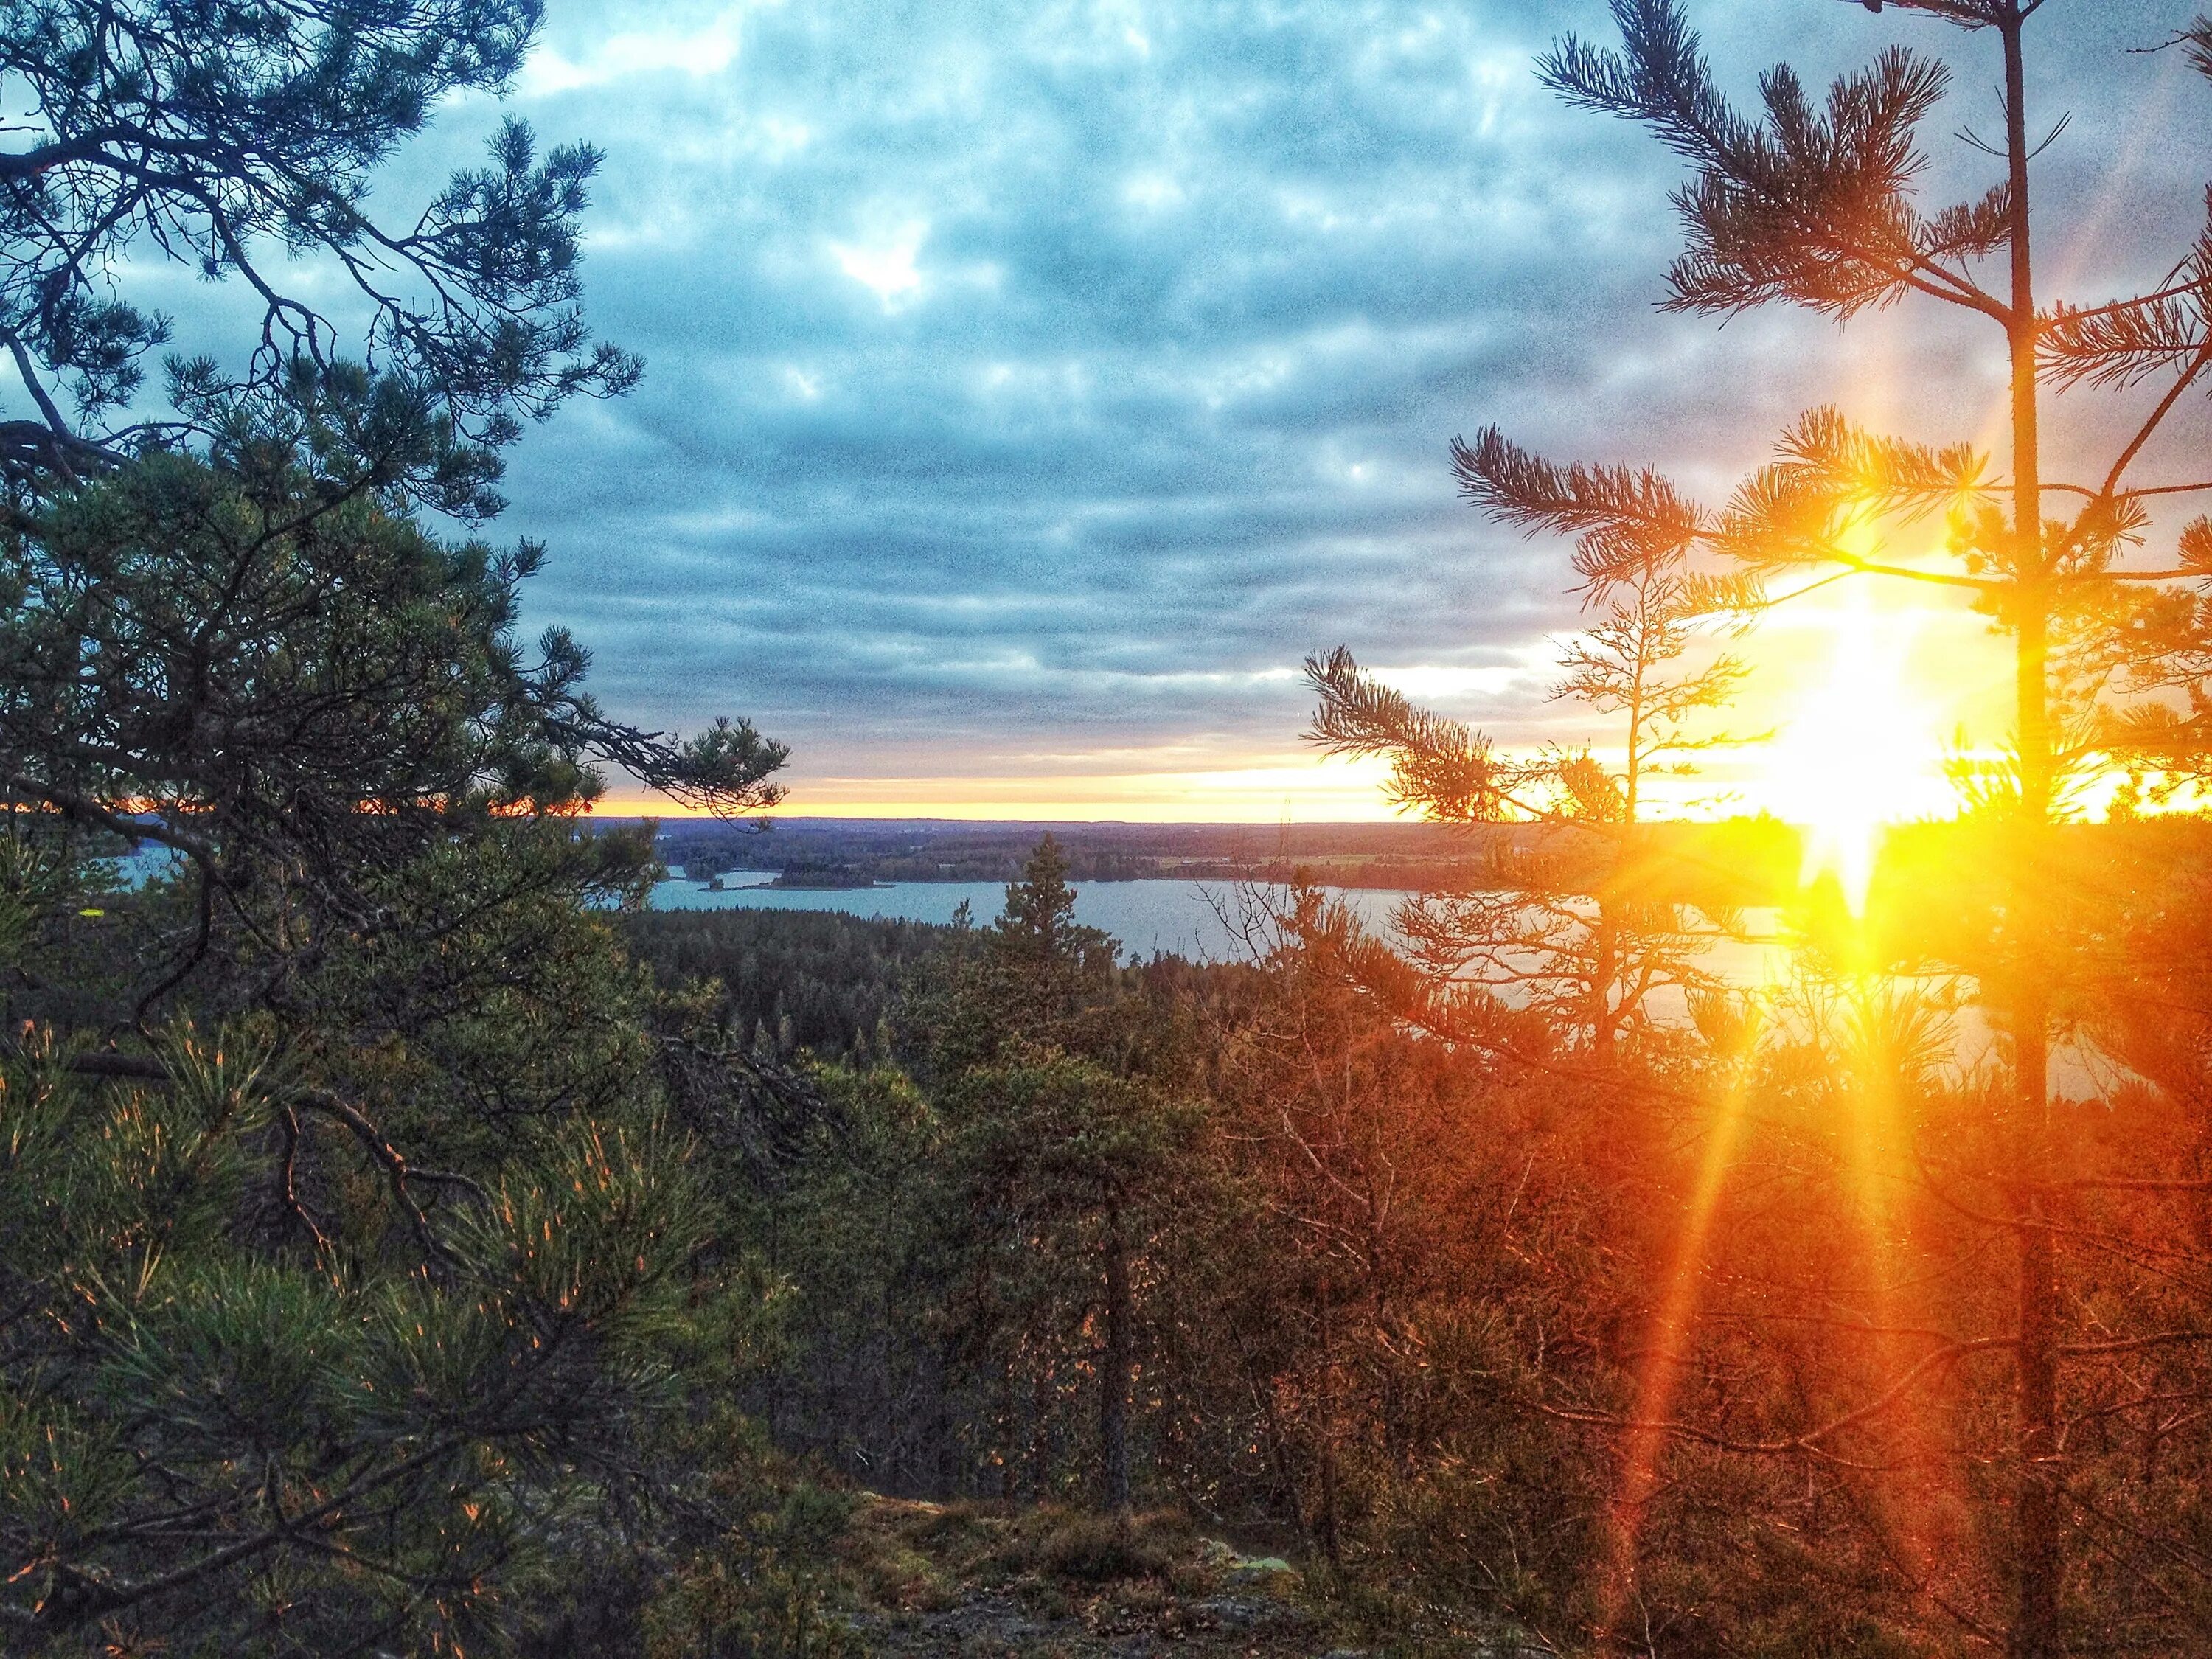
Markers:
{"x": 1760, "y": 856}
{"x": 793, "y": 980}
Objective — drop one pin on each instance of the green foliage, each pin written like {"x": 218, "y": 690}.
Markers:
{"x": 1034, "y": 980}
{"x": 387, "y": 1438}
{"x": 989, "y": 1233}
{"x": 390, "y": 1261}
{"x": 283, "y": 666}
{"x": 834, "y": 980}
{"x": 352, "y": 1285}
{"x": 349, "y": 1268}
{"x": 859, "y": 1377}
{"x": 215, "y": 136}
{"x": 1097, "y": 1548}
{"x": 761, "y": 1587}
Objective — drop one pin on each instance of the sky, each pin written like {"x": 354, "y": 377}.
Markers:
{"x": 1031, "y": 386}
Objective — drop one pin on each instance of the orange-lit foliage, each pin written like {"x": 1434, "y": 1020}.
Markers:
{"x": 1715, "y": 1353}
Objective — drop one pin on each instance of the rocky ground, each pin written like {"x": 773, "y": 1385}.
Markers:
{"x": 981, "y": 1582}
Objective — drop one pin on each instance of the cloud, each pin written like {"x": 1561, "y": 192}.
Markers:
{"x": 1052, "y": 377}
{"x": 585, "y": 54}
{"x": 885, "y": 267}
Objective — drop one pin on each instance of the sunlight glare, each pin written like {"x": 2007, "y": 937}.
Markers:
{"x": 1857, "y": 753}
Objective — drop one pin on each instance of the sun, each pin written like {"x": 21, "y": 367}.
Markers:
{"x": 1857, "y": 751}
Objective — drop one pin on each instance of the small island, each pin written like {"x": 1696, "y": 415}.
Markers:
{"x": 824, "y": 876}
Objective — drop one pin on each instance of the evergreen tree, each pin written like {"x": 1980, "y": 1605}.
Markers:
{"x": 1561, "y": 920}
{"x": 340, "y": 1247}
{"x": 345, "y": 1258}
{"x": 1063, "y": 1141}
{"x": 233, "y": 139}
{"x": 1816, "y": 203}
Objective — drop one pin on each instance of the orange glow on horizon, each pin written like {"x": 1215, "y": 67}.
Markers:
{"x": 1857, "y": 689}
{"x": 1269, "y": 789}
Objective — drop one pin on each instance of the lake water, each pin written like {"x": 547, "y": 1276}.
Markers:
{"x": 1194, "y": 919}
{"x": 1175, "y": 918}
{"x": 1150, "y": 918}
{"x": 1187, "y": 918}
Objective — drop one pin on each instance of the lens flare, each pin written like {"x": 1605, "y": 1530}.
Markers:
{"x": 1668, "y": 1342}
{"x": 1856, "y": 754}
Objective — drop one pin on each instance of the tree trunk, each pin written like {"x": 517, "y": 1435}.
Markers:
{"x": 1041, "y": 1432}
{"x": 2038, "y": 1565}
{"x": 945, "y": 1474}
{"x": 2036, "y": 1633}
{"x": 1008, "y": 1435}
{"x": 1325, "y": 1520}
{"x": 1114, "y": 1374}
{"x": 1605, "y": 969}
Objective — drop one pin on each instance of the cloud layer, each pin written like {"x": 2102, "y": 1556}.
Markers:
{"x": 1032, "y": 386}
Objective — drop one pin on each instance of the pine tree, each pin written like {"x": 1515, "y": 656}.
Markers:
{"x": 1063, "y": 1144}
{"x": 236, "y": 140}
{"x": 1816, "y": 203}
{"x": 1558, "y": 921}
{"x": 344, "y": 1260}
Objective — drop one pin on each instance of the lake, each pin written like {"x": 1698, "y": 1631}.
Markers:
{"x": 1180, "y": 918}
{"x": 1150, "y": 918}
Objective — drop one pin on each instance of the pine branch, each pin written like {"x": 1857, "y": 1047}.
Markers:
{"x": 2122, "y": 342}
{"x": 1810, "y": 1441}
{"x": 1440, "y": 766}
{"x": 77, "y": 1598}
{"x": 1809, "y": 204}
{"x": 2194, "y": 547}
{"x": 398, "y": 1172}
{"x": 85, "y": 810}
{"x": 1624, "y": 520}
{"x": 1831, "y": 476}
{"x": 2115, "y": 348}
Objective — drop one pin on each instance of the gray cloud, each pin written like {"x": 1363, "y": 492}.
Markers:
{"x": 1032, "y": 378}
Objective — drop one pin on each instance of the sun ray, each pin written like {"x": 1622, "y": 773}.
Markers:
{"x": 1920, "y": 1503}
{"x": 1665, "y": 1359}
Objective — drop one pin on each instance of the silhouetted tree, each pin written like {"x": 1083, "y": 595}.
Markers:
{"x": 1562, "y": 921}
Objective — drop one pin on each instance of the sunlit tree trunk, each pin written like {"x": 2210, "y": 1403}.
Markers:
{"x": 1607, "y": 1016}
{"x": 2035, "y": 1632}
{"x": 1605, "y": 969}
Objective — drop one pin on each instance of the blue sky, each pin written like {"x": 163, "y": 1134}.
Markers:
{"x": 1032, "y": 386}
